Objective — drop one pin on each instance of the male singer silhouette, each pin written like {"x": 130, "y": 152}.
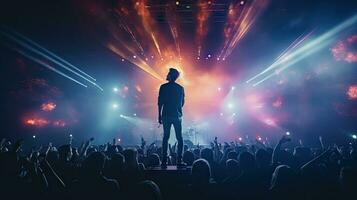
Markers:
{"x": 170, "y": 102}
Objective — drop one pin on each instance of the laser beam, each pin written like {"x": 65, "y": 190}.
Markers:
{"x": 25, "y": 45}
{"x": 298, "y": 41}
{"x": 309, "y": 48}
{"x": 47, "y": 66}
{"x": 50, "y": 53}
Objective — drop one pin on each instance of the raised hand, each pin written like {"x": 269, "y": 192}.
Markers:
{"x": 18, "y": 145}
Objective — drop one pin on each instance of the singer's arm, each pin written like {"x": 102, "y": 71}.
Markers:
{"x": 160, "y": 105}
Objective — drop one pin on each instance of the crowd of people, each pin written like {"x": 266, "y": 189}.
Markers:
{"x": 233, "y": 170}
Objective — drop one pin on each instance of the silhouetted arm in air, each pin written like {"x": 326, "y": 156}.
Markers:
{"x": 277, "y": 149}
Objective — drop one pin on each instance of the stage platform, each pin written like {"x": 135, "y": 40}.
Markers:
{"x": 165, "y": 176}
{"x": 169, "y": 168}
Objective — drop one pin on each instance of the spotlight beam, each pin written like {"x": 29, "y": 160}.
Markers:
{"x": 126, "y": 27}
{"x": 170, "y": 13}
{"x": 202, "y": 18}
{"x": 239, "y": 21}
{"x": 147, "y": 23}
{"x": 138, "y": 62}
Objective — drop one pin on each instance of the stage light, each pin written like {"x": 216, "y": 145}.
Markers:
{"x": 134, "y": 56}
{"x": 134, "y": 114}
{"x": 219, "y": 89}
{"x": 115, "y": 106}
{"x": 209, "y": 2}
{"x": 259, "y": 138}
{"x": 240, "y": 138}
{"x": 34, "y": 136}
{"x": 209, "y": 55}
{"x": 354, "y": 136}
{"x": 230, "y": 105}
{"x": 121, "y": 115}
{"x": 242, "y": 2}
{"x": 122, "y": 59}
{"x": 287, "y": 133}
{"x": 115, "y": 89}
{"x": 221, "y": 114}
{"x": 198, "y": 58}
{"x": 232, "y": 88}
{"x": 70, "y": 135}
{"x": 234, "y": 114}
{"x": 119, "y": 139}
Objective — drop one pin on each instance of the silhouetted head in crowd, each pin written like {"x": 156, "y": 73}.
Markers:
{"x": 246, "y": 161}
{"x": 131, "y": 157}
{"x": 197, "y": 153}
{"x": 65, "y": 152}
{"x": 188, "y": 158}
{"x": 283, "y": 178}
{"x": 302, "y": 154}
{"x": 348, "y": 179}
{"x": 285, "y": 157}
{"x": 153, "y": 160}
{"x": 147, "y": 190}
{"x": 117, "y": 161}
{"x": 201, "y": 172}
{"x": 172, "y": 75}
{"x": 262, "y": 158}
{"x": 52, "y": 157}
{"x": 207, "y": 154}
{"x": 232, "y": 167}
{"x": 94, "y": 163}
{"x": 232, "y": 155}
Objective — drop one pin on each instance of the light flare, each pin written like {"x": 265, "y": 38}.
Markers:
{"x": 352, "y": 92}
{"x": 48, "y": 106}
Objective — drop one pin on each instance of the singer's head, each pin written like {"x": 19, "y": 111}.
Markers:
{"x": 172, "y": 75}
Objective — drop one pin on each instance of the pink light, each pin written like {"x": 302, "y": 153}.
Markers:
{"x": 278, "y": 102}
{"x": 48, "y": 106}
{"x": 36, "y": 122}
{"x": 351, "y": 57}
{"x": 343, "y": 50}
{"x": 269, "y": 122}
{"x": 59, "y": 123}
{"x": 352, "y": 92}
